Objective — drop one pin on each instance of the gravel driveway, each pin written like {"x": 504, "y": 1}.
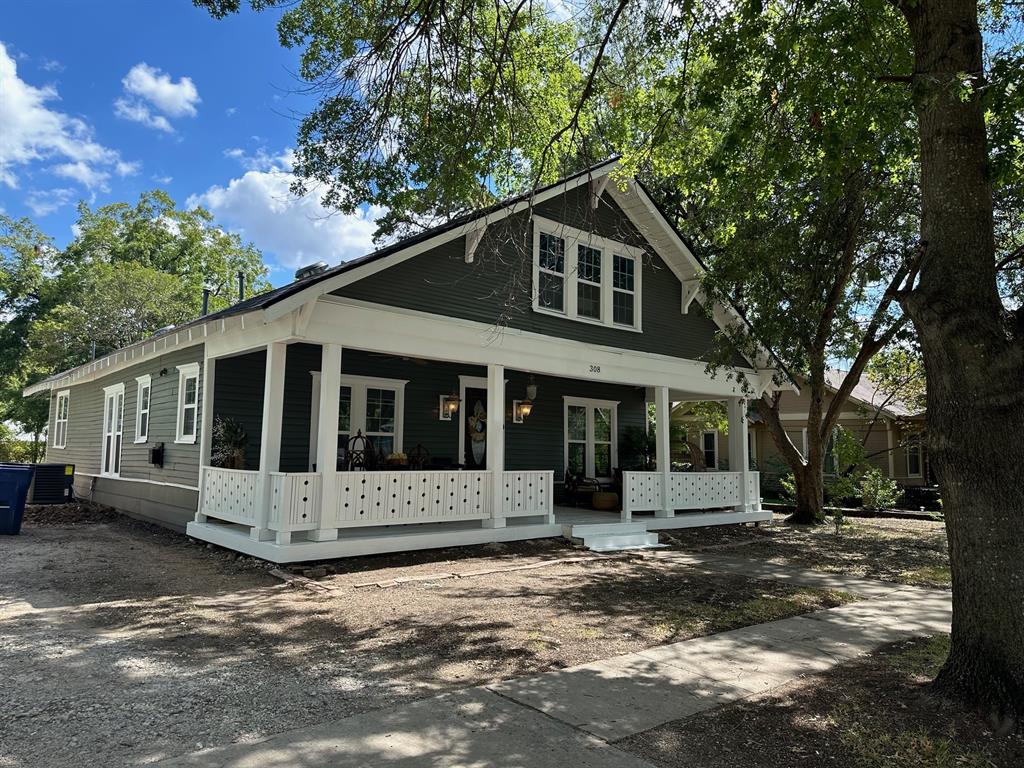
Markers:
{"x": 123, "y": 644}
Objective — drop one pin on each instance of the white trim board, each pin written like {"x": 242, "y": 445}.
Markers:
{"x": 138, "y": 480}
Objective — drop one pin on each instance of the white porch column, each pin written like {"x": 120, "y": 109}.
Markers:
{"x": 663, "y": 448}
{"x": 327, "y": 440}
{"x": 206, "y": 426}
{"x": 270, "y": 436}
{"x": 739, "y": 449}
{"x": 496, "y": 442}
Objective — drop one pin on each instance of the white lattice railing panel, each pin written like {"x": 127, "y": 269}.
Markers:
{"x": 704, "y": 490}
{"x": 527, "y": 493}
{"x": 406, "y": 497}
{"x": 754, "y": 490}
{"x": 642, "y": 491}
{"x": 294, "y": 501}
{"x": 233, "y": 495}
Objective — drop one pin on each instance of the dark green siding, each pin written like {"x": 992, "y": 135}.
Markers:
{"x": 496, "y": 289}
{"x": 537, "y": 444}
{"x": 238, "y": 386}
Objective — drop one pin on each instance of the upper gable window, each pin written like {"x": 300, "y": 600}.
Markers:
{"x": 585, "y": 277}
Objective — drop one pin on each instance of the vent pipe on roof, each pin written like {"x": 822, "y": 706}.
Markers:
{"x": 310, "y": 269}
{"x": 241, "y": 285}
{"x": 206, "y": 302}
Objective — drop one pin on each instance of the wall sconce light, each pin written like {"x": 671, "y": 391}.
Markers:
{"x": 449, "y": 406}
{"x": 521, "y": 410}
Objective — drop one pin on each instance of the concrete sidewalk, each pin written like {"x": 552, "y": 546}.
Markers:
{"x": 569, "y": 717}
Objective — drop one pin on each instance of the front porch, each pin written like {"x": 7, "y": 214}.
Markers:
{"x": 303, "y": 493}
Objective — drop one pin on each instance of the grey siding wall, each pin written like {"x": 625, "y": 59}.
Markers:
{"x": 497, "y": 287}
{"x": 164, "y": 504}
{"x": 537, "y": 444}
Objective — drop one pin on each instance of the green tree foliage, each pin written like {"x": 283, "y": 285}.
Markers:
{"x": 130, "y": 270}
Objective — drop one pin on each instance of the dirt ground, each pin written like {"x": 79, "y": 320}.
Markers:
{"x": 905, "y": 551}
{"x": 873, "y": 713}
{"x": 122, "y": 643}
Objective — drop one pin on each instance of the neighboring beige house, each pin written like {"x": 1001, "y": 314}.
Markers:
{"x": 892, "y": 434}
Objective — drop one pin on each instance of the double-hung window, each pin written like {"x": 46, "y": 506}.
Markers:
{"x": 585, "y": 277}
{"x": 914, "y": 456}
{"x": 709, "y": 446}
{"x": 590, "y": 443}
{"x": 60, "y": 423}
{"x": 188, "y": 403}
{"x": 144, "y": 387}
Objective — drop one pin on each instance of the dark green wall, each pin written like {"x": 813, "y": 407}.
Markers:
{"x": 496, "y": 288}
{"x": 537, "y": 444}
{"x": 238, "y": 386}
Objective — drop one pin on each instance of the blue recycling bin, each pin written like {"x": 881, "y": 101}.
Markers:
{"x": 15, "y": 480}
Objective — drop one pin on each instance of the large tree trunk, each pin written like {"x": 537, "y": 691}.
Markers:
{"x": 975, "y": 366}
{"x": 810, "y": 497}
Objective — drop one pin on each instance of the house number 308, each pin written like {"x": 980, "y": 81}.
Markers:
{"x": 595, "y": 369}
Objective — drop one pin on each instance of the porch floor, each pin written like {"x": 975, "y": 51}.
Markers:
{"x": 354, "y": 542}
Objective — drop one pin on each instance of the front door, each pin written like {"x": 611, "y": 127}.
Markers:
{"x": 474, "y": 422}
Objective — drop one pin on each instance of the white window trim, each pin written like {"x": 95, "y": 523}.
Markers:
{"x": 357, "y": 384}
{"x": 608, "y": 248}
{"x": 186, "y": 372}
{"x": 65, "y": 395}
{"x": 143, "y": 382}
{"x": 914, "y": 442}
{"x": 713, "y": 432}
{"x": 113, "y": 390}
{"x": 590, "y": 404}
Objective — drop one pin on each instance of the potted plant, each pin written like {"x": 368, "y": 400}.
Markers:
{"x": 229, "y": 443}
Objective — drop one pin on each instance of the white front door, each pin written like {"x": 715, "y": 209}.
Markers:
{"x": 113, "y": 426}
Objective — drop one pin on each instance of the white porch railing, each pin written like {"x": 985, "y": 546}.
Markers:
{"x": 646, "y": 492}
{"x": 528, "y": 493}
{"x": 295, "y": 501}
{"x": 234, "y": 495}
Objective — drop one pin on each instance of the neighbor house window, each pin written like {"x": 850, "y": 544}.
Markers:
{"x": 144, "y": 387}
{"x": 914, "y": 457}
{"x": 113, "y": 429}
{"x": 188, "y": 403}
{"x": 585, "y": 277}
{"x": 590, "y": 444}
{"x": 60, "y": 424}
{"x": 831, "y": 461}
{"x": 709, "y": 444}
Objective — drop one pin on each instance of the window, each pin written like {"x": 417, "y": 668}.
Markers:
{"x": 188, "y": 403}
{"x": 590, "y": 443}
{"x": 142, "y": 408}
{"x": 369, "y": 405}
{"x": 709, "y": 445}
{"x": 60, "y": 424}
{"x": 585, "y": 277}
{"x": 113, "y": 429}
{"x": 551, "y": 272}
{"x": 914, "y": 456}
{"x": 831, "y": 458}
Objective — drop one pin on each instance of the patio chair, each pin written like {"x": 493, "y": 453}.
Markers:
{"x": 579, "y": 488}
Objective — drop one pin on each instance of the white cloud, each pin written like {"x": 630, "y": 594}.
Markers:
{"x": 44, "y": 202}
{"x": 124, "y": 168}
{"x": 151, "y": 96}
{"x": 296, "y": 230}
{"x": 30, "y": 131}
{"x": 162, "y": 179}
{"x": 51, "y": 65}
{"x": 85, "y": 174}
{"x": 138, "y": 112}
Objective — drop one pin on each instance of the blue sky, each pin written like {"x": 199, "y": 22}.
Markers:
{"x": 102, "y": 100}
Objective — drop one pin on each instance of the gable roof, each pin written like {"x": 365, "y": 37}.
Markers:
{"x": 867, "y": 393}
{"x": 279, "y": 301}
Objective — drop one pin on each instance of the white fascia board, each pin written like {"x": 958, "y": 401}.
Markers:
{"x": 686, "y": 267}
{"x": 412, "y": 333}
{"x": 331, "y": 284}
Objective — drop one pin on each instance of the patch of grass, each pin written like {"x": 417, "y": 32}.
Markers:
{"x": 707, "y": 618}
{"x": 922, "y": 658}
{"x": 928, "y": 576}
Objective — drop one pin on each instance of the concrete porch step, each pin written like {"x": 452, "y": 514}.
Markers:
{"x": 579, "y": 530}
{"x": 613, "y": 542}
